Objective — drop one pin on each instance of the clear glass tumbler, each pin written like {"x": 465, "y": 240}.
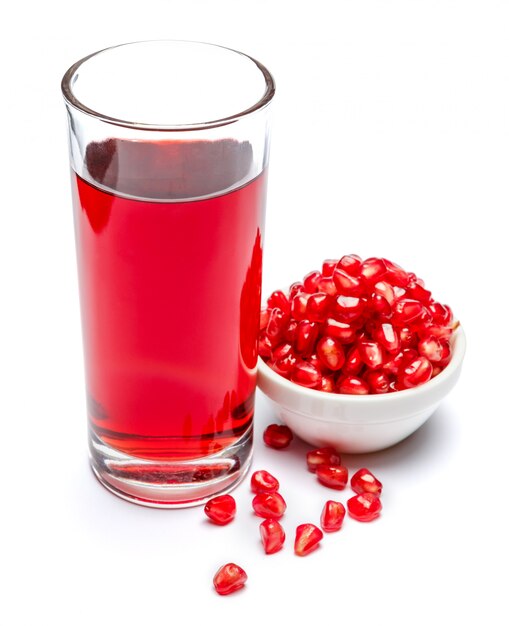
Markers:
{"x": 169, "y": 147}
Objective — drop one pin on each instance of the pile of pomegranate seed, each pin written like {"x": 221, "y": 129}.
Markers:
{"x": 356, "y": 327}
{"x": 268, "y": 503}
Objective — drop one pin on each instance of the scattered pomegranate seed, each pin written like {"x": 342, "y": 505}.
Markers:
{"x": 307, "y": 538}
{"x": 273, "y": 536}
{"x": 356, "y": 327}
{"x": 332, "y": 517}
{"x": 269, "y": 505}
{"x": 263, "y": 482}
{"x": 364, "y": 481}
{"x": 322, "y": 456}
{"x": 221, "y": 509}
{"x": 277, "y": 436}
{"x": 365, "y": 507}
{"x": 229, "y": 578}
{"x": 333, "y": 476}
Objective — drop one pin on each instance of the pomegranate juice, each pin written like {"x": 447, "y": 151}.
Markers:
{"x": 170, "y": 295}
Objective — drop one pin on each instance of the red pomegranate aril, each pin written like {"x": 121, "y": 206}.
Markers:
{"x": 295, "y": 288}
{"x": 353, "y": 362}
{"x": 330, "y": 352}
{"x": 264, "y": 317}
{"x": 282, "y": 350}
{"x": 311, "y": 281}
{"x": 343, "y": 332}
{"x": 322, "y": 456}
{"x": 326, "y": 285}
{"x": 353, "y": 385}
{"x": 386, "y": 290}
{"x": 436, "y": 370}
{"x": 379, "y": 305}
{"x": 327, "y": 384}
{"x": 333, "y": 476}
{"x": 440, "y": 313}
{"x": 350, "y": 263}
{"x": 409, "y": 338}
{"x": 278, "y": 321}
{"x": 328, "y": 267}
{"x": 264, "y": 346}
{"x": 299, "y": 304}
{"x": 229, "y": 578}
{"x": 277, "y": 436}
{"x": 332, "y": 516}
{"x": 317, "y": 307}
{"x": 363, "y": 481}
{"x": 307, "y": 539}
{"x": 432, "y": 348}
{"x": 347, "y": 284}
{"x": 263, "y": 482}
{"x": 378, "y": 381}
{"x": 221, "y": 509}
{"x": 279, "y": 300}
{"x": 405, "y": 310}
{"x": 269, "y": 505}
{"x": 372, "y": 270}
{"x": 305, "y": 337}
{"x": 442, "y": 332}
{"x": 416, "y": 372}
{"x": 371, "y": 354}
{"x": 388, "y": 338}
{"x": 285, "y": 365}
{"x": 417, "y": 292}
{"x": 289, "y": 334}
{"x": 272, "y": 535}
{"x": 396, "y": 275}
{"x": 364, "y": 507}
{"x": 348, "y": 308}
{"x": 306, "y": 375}
{"x": 446, "y": 353}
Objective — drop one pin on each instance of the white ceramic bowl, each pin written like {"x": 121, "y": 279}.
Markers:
{"x": 358, "y": 424}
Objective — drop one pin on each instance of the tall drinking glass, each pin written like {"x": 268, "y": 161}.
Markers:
{"x": 169, "y": 147}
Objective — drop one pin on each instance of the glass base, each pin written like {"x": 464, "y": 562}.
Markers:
{"x": 170, "y": 484}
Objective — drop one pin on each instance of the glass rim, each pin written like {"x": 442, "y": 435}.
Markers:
{"x": 72, "y": 100}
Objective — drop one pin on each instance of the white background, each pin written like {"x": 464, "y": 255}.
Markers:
{"x": 391, "y": 137}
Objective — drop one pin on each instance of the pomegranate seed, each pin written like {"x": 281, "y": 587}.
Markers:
{"x": 305, "y": 337}
{"x": 317, "y": 306}
{"x": 315, "y": 362}
{"x": 290, "y": 331}
{"x": 332, "y": 517}
{"x": 408, "y": 338}
{"x": 221, "y": 509}
{"x": 306, "y": 375}
{"x": 351, "y": 264}
{"x": 406, "y": 311}
{"x": 282, "y": 350}
{"x": 436, "y": 370}
{"x": 229, "y": 578}
{"x": 279, "y": 300}
{"x": 322, "y": 456}
{"x": 417, "y": 292}
{"x": 333, "y": 476}
{"x": 299, "y": 305}
{"x": 277, "y": 324}
{"x": 307, "y": 538}
{"x": 388, "y": 338}
{"x": 441, "y": 314}
{"x": 273, "y": 536}
{"x": 378, "y": 381}
{"x": 269, "y": 505}
{"x": 277, "y": 436}
{"x": 347, "y": 284}
{"x": 371, "y": 353}
{"x": 446, "y": 353}
{"x": 327, "y": 384}
{"x": 373, "y": 269}
{"x": 364, "y": 481}
{"x": 379, "y": 305}
{"x": 330, "y": 352}
{"x": 311, "y": 281}
{"x": 396, "y": 275}
{"x": 442, "y": 332}
{"x": 353, "y": 362}
{"x": 295, "y": 288}
{"x": 353, "y": 385}
{"x": 285, "y": 365}
{"x": 326, "y": 285}
{"x": 416, "y": 372}
{"x": 365, "y": 507}
{"x": 264, "y": 347}
{"x": 384, "y": 289}
{"x": 432, "y": 348}
{"x": 328, "y": 267}
{"x": 264, "y": 317}
{"x": 263, "y": 482}
{"x": 348, "y": 308}
{"x": 343, "y": 332}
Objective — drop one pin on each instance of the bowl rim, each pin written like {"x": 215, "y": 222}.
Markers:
{"x": 458, "y": 345}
